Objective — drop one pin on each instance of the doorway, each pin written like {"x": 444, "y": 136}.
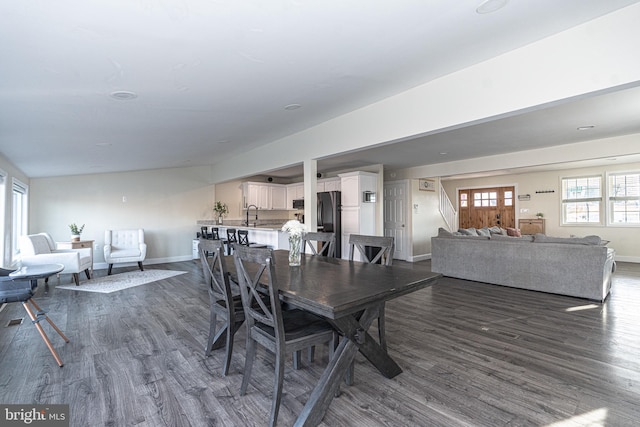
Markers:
{"x": 487, "y": 207}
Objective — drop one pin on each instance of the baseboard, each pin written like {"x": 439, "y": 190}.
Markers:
{"x": 148, "y": 261}
{"x": 417, "y": 258}
{"x": 628, "y": 259}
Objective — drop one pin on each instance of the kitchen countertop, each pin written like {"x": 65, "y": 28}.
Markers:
{"x": 266, "y": 227}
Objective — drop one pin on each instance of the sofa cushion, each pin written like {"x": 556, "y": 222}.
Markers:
{"x": 588, "y": 240}
{"x": 527, "y": 238}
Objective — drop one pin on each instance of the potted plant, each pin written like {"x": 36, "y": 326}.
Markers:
{"x": 539, "y": 215}
{"x": 75, "y": 232}
{"x": 220, "y": 209}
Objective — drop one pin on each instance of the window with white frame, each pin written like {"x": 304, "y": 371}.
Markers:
{"x": 624, "y": 199}
{"x": 19, "y": 217}
{"x": 582, "y": 200}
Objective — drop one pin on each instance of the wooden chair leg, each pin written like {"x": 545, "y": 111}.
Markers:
{"x": 44, "y": 336}
{"x": 277, "y": 389}
{"x": 88, "y": 273}
{"x": 109, "y": 271}
{"x": 76, "y": 278}
{"x": 140, "y": 265}
{"x": 297, "y": 358}
{"x": 248, "y": 364}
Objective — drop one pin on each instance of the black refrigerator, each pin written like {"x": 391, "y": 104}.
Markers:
{"x": 329, "y": 219}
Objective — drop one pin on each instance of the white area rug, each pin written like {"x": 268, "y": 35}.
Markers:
{"x": 120, "y": 281}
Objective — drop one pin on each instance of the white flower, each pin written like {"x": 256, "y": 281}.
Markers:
{"x": 293, "y": 227}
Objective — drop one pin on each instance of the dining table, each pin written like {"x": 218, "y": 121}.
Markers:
{"x": 349, "y": 294}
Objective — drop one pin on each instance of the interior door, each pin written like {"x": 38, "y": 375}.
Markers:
{"x": 486, "y": 207}
{"x": 395, "y": 217}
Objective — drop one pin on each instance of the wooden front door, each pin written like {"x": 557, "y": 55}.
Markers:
{"x": 486, "y": 207}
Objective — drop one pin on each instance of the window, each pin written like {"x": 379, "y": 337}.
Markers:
{"x": 508, "y": 198}
{"x": 19, "y": 217}
{"x": 485, "y": 199}
{"x": 624, "y": 199}
{"x": 582, "y": 200}
{"x": 463, "y": 200}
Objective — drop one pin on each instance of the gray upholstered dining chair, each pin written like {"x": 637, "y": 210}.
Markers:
{"x": 280, "y": 331}
{"x": 312, "y": 240}
{"x": 223, "y": 303}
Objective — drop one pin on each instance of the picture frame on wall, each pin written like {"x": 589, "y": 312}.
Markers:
{"x": 427, "y": 184}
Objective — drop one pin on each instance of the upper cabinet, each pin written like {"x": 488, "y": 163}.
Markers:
{"x": 329, "y": 184}
{"x": 264, "y": 196}
{"x": 278, "y": 197}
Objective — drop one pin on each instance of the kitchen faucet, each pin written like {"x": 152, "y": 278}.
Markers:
{"x": 247, "y": 221}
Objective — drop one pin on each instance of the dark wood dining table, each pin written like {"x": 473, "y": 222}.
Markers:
{"x": 349, "y": 294}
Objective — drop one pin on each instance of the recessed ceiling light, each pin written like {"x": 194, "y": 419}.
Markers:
{"x": 489, "y": 6}
{"x": 443, "y": 153}
{"x": 292, "y": 107}
{"x": 123, "y": 95}
{"x": 585, "y": 127}
{"x": 103, "y": 144}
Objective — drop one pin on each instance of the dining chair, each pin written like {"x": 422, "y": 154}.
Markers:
{"x": 222, "y": 301}
{"x": 314, "y": 239}
{"x": 374, "y": 250}
{"x": 22, "y": 291}
{"x": 203, "y": 232}
{"x": 279, "y": 331}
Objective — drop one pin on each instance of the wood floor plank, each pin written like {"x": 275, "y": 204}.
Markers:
{"x": 473, "y": 354}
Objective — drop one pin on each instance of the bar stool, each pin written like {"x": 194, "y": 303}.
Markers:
{"x": 243, "y": 239}
{"x": 215, "y": 233}
{"x": 232, "y": 238}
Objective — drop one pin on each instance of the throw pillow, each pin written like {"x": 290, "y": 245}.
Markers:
{"x": 514, "y": 232}
{"x": 468, "y": 231}
{"x": 484, "y": 231}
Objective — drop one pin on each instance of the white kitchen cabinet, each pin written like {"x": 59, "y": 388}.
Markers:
{"x": 294, "y": 192}
{"x": 278, "y": 197}
{"x": 264, "y": 196}
{"x": 332, "y": 184}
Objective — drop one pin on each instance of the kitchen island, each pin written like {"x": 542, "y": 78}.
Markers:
{"x": 268, "y": 234}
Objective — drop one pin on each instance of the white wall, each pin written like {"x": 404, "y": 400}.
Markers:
{"x": 165, "y": 202}
{"x": 623, "y": 239}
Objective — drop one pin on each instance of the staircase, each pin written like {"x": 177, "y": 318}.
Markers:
{"x": 447, "y": 210}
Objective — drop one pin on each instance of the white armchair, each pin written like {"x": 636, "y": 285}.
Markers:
{"x": 124, "y": 246}
{"x": 38, "y": 249}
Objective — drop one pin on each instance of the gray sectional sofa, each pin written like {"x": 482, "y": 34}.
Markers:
{"x": 577, "y": 267}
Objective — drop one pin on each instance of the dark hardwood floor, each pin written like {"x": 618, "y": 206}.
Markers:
{"x": 473, "y": 355}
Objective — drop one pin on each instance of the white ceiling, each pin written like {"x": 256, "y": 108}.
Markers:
{"x": 212, "y": 78}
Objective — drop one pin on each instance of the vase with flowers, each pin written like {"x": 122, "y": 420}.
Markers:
{"x": 295, "y": 230}
{"x": 220, "y": 209}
